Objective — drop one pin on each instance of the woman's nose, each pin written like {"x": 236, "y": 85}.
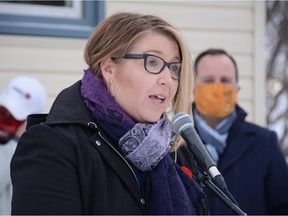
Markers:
{"x": 165, "y": 76}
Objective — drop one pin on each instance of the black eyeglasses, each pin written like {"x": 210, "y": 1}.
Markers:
{"x": 155, "y": 65}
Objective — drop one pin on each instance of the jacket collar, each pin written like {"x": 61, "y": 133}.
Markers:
{"x": 239, "y": 141}
{"x": 69, "y": 108}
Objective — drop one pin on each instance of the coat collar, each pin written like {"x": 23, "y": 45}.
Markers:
{"x": 69, "y": 108}
{"x": 239, "y": 140}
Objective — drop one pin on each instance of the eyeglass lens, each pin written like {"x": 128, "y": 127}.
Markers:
{"x": 155, "y": 64}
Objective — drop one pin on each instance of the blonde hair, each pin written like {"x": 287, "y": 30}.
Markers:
{"x": 115, "y": 35}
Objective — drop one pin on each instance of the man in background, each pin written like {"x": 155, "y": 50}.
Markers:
{"x": 23, "y": 95}
{"x": 248, "y": 156}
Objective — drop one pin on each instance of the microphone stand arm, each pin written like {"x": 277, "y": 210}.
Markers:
{"x": 204, "y": 179}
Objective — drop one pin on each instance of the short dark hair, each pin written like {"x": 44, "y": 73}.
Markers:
{"x": 213, "y": 51}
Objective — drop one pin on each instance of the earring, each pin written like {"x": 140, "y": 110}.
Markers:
{"x": 111, "y": 89}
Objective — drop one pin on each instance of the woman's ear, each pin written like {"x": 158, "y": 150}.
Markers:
{"x": 106, "y": 66}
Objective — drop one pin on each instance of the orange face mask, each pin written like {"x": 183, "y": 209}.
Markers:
{"x": 215, "y": 100}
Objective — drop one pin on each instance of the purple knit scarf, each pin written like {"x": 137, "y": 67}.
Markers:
{"x": 166, "y": 188}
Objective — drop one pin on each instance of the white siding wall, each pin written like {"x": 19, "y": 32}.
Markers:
{"x": 237, "y": 26}
{"x": 56, "y": 62}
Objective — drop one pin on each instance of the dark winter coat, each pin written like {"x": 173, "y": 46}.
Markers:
{"x": 254, "y": 169}
{"x": 67, "y": 166}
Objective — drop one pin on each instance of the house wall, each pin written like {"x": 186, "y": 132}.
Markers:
{"x": 237, "y": 26}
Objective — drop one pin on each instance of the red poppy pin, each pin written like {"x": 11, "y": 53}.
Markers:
{"x": 187, "y": 171}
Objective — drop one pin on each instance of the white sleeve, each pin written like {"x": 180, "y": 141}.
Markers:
{"x": 6, "y": 152}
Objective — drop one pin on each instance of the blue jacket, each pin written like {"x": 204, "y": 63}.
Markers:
{"x": 254, "y": 169}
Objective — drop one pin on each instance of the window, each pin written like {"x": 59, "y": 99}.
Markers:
{"x": 50, "y": 18}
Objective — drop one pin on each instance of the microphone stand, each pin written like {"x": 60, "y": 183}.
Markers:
{"x": 204, "y": 179}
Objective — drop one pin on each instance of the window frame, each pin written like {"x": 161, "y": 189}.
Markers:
{"x": 79, "y": 27}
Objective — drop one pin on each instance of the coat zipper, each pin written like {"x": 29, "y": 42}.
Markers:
{"x": 120, "y": 156}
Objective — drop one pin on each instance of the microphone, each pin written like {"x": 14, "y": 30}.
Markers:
{"x": 183, "y": 124}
